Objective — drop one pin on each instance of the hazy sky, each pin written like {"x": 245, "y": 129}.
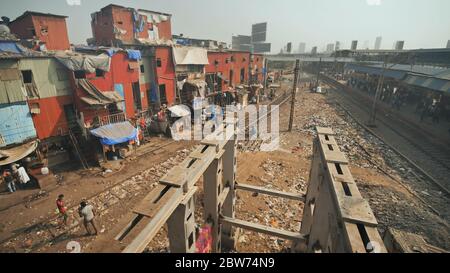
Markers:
{"x": 421, "y": 23}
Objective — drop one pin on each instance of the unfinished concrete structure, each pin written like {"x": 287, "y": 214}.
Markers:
{"x": 336, "y": 218}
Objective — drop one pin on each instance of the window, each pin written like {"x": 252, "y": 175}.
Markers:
{"x": 99, "y": 73}
{"x": 142, "y": 68}
{"x": 33, "y": 32}
{"x": 162, "y": 94}
{"x": 232, "y": 59}
{"x": 44, "y": 30}
{"x": 158, "y": 62}
{"x": 27, "y": 76}
{"x": 79, "y": 74}
{"x": 120, "y": 23}
{"x": 216, "y": 62}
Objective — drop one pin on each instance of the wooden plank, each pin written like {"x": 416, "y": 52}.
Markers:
{"x": 288, "y": 235}
{"x": 176, "y": 177}
{"x": 153, "y": 202}
{"x": 141, "y": 241}
{"x": 282, "y": 194}
{"x": 334, "y": 156}
{"x": 356, "y": 210}
{"x": 324, "y": 131}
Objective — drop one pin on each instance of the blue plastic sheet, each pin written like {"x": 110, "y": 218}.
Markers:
{"x": 134, "y": 55}
{"x": 10, "y": 47}
{"x": 115, "y": 133}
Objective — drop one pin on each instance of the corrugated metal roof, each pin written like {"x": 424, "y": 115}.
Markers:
{"x": 16, "y": 124}
{"x": 373, "y": 70}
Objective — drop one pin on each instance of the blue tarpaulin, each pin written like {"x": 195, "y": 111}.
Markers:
{"x": 9, "y": 47}
{"x": 115, "y": 133}
{"x": 134, "y": 55}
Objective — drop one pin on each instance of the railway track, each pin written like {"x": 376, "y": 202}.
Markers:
{"x": 429, "y": 162}
{"x": 253, "y": 145}
{"x": 45, "y": 224}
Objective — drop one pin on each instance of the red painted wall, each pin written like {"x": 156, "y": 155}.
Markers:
{"x": 57, "y": 37}
{"x": 238, "y": 64}
{"x": 119, "y": 74}
{"x": 165, "y": 30}
{"x": 103, "y": 25}
{"x": 223, "y": 66}
{"x": 52, "y": 119}
{"x": 166, "y": 73}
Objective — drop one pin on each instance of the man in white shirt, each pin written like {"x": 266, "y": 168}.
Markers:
{"x": 87, "y": 212}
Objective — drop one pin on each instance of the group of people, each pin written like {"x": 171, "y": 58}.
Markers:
{"x": 85, "y": 211}
{"x": 428, "y": 104}
{"x": 15, "y": 177}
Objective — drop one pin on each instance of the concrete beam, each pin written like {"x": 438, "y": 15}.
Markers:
{"x": 288, "y": 235}
{"x": 275, "y": 193}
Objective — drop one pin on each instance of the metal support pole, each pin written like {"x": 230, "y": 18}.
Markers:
{"x": 212, "y": 187}
{"x": 377, "y": 93}
{"x": 318, "y": 73}
{"x": 229, "y": 179}
{"x": 294, "y": 90}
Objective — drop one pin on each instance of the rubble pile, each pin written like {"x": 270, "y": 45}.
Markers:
{"x": 275, "y": 212}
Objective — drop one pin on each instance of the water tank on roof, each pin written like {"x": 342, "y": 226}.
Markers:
{"x": 4, "y": 28}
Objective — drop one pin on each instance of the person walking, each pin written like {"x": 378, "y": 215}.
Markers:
{"x": 87, "y": 213}
{"x": 62, "y": 209}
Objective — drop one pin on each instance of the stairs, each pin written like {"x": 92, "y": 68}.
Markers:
{"x": 78, "y": 152}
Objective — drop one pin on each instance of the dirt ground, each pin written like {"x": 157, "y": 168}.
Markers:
{"x": 32, "y": 228}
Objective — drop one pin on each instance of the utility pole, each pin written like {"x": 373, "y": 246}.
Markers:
{"x": 294, "y": 90}
{"x": 318, "y": 73}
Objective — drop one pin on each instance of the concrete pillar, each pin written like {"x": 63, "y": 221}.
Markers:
{"x": 229, "y": 179}
{"x": 212, "y": 187}
{"x": 181, "y": 227}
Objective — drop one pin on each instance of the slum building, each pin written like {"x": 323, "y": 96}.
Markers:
{"x": 149, "y": 32}
{"x": 116, "y": 25}
{"x": 190, "y": 65}
{"x": 41, "y": 30}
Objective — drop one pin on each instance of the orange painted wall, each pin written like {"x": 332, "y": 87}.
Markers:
{"x": 52, "y": 119}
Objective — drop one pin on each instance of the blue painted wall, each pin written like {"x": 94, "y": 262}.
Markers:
{"x": 16, "y": 124}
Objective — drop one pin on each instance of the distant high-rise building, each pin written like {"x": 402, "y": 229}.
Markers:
{"x": 330, "y": 47}
{"x": 289, "y": 47}
{"x": 338, "y": 46}
{"x": 378, "y": 43}
{"x": 448, "y": 44}
{"x": 301, "y": 48}
{"x": 354, "y": 45}
{"x": 399, "y": 45}
{"x": 314, "y": 50}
